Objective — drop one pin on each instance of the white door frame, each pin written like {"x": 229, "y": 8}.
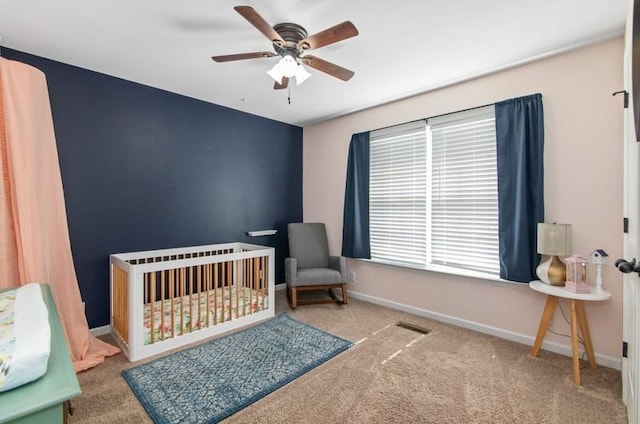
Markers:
{"x": 631, "y": 292}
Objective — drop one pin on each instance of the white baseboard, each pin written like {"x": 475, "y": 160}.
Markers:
{"x": 281, "y": 286}
{"x": 604, "y": 360}
{"x": 101, "y": 331}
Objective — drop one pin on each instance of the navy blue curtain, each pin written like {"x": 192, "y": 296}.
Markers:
{"x": 520, "y": 147}
{"x": 355, "y": 227}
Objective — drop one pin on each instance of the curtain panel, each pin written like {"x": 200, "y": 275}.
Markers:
{"x": 355, "y": 227}
{"x": 33, "y": 221}
{"x": 520, "y": 149}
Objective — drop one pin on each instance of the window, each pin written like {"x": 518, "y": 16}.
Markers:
{"x": 398, "y": 194}
{"x": 434, "y": 193}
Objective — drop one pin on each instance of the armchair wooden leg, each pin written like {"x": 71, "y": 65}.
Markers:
{"x": 345, "y": 299}
{"x": 292, "y": 295}
{"x": 332, "y": 295}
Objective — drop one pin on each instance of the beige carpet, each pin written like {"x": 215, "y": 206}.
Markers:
{"x": 393, "y": 375}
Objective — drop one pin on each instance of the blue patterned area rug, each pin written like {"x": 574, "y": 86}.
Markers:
{"x": 211, "y": 381}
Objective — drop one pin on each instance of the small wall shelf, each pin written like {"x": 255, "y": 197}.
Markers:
{"x": 259, "y": 233}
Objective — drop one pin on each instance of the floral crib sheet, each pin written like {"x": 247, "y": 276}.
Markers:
{"x": 244, "y": 301}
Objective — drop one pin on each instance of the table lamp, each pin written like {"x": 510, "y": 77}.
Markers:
{"x": 553, "y": 240}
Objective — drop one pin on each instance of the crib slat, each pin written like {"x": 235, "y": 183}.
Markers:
{"x": 120, "y": 311}
{"x": 115, "y": 305}
{"x": 256, "y": 282}
{"x": 145, "y": 290}
{"x": 117, "y": 312}
{"x": 209, "y": 293}
{"x": 228, "y": 282}
{"x": 184, "y": 310}
{"x": 254, "y": 270}
{"x": 118, "y": 307}
{"x": 125, "y": 296}
{"x": 199, "y": 286}
{"x": 125, "y": 303}
{"x": 151, "y": 279}
{"x": 261, "y": 277}
{"x": 181, "y": 294}
{"x": 256, "y": 278}
{"x": 187, "y": 294}
{"x": 162, "y": 297}
{"x": 123, "y": 312}
{"x": 236, "y": 278}
{"x": 191, "y": 298}
{"x": 252, "y": 277}
{"x": 215, "y": 296}
{"x": 172, "y": 293}
{"x": 208, "y": 273}
{"x": 247, "y": 283}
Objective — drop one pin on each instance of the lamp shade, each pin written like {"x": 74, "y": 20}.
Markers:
{"x": 301, "y": 75}
{"x": 275, "y": 73}
{"x": 288, "y": 66}
{"x": 554, "y": 239}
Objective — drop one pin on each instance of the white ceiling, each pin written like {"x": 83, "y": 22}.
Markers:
{"x": 404, "y": 47}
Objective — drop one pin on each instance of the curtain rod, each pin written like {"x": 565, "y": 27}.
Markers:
{"x": 442, "y": 114}
{"x": 431, "y": 117}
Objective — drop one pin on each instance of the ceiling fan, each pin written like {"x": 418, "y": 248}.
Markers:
{"x": 291, "y": 42}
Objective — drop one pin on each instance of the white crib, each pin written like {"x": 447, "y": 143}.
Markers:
{"x": 164, "y": 299}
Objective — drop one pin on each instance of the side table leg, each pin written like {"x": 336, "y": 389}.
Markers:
{"x": 586, "y": 335}
{"x": 547, "y": 314}
{"x": 574, "y": 342}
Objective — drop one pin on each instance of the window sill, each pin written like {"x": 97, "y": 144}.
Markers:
{"x": 441, "y": 269}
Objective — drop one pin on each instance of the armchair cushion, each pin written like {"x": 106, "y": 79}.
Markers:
{"x": 290, "y": 271}
{"x": 314, "y": 276}
{"x": 339, "y": 264}
{"x": 308, "y": 244}
{"x": 317, "y": 276}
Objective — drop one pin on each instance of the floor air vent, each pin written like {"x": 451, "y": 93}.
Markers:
{"x": 412, "y": 327}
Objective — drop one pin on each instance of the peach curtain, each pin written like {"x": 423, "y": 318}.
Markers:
{"x": 34, "y": 237}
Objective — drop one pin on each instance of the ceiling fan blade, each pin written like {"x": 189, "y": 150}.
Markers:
{"x": 329, "y": 36}
{"x": 285, "y": 83}
{"x": 261, "y": 25}
{"x": 242, "y": 56}
{"x": 328, "y": 67}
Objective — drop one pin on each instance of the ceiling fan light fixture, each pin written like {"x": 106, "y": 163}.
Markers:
{"x": 301, "y": 75}
{"x": 275, "y": 73}
{"x": 288, "y": 66}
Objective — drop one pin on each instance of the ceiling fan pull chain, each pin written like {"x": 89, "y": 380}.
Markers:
{"x": 289, "y": 93}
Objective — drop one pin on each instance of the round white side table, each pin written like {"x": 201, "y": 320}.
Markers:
{"x": 578, "y": 320}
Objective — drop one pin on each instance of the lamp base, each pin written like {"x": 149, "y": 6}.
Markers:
{"x": 552, "y": 271}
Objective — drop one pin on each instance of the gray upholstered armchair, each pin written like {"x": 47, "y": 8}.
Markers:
{"x": 310, "y": 267}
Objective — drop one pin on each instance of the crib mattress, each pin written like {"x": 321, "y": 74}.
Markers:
{"x": 243, "y": 301}
{"x": 25, "y": 336}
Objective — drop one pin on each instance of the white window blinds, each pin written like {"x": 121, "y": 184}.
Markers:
{"x": 398, "y": 194}
{"x": 463, "y": 191}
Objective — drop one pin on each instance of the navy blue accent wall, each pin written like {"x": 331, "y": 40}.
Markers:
{"x": 147, "y": 169}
